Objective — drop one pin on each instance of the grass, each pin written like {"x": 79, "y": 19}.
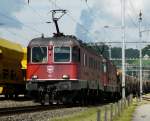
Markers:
{"x": 127, "y": 114}
{"x": 91, "y": 114}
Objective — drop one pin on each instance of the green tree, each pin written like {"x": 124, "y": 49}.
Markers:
{"x": 146, "y": 50}
{"x": 132, "y": 53}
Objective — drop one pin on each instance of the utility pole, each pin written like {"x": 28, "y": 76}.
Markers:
{"x": 140, "y": 37}
{"x": 123, "y": 46}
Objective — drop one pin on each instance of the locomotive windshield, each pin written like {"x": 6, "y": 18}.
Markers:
{"x": 61, "y": 54}
{"x": 39, "y": 54}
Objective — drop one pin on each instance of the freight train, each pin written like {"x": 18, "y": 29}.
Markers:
{"x": 12, "y": 68}
{"x": 63, "y": 69}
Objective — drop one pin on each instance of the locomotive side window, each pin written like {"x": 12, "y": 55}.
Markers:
{"x": 61, "y": 54}
{"x": 39, "y": 54}
{"x": 75, "y": 54}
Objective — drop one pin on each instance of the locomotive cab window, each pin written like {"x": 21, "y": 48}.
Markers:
{"x": 39, "y": 54}
{"x": 62, "y": 54}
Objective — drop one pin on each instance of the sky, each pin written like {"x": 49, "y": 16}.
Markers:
{"x": 20, "y": 22}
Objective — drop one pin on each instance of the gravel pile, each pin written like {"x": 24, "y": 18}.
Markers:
{"x": 43, "y": 115}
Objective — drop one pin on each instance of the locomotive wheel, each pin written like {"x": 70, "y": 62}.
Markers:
{"x": 42, "y": 99}
{"x": 6, "y": 96}
{"x": 10, "y": 96}
{"x": 45, "y": 99}
{"x": 16, "y": 96}
{"x": 84, "y": 98}
{"x": 42, "y": 102}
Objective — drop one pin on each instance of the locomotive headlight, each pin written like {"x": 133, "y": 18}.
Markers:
{"x": 65, "y": 76}
{"x": 34, "y": 77}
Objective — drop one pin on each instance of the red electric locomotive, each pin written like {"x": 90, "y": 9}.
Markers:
{"x": 63, "y": 69}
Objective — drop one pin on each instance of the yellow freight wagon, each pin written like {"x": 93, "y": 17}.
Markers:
{"x": 12, "y": 68}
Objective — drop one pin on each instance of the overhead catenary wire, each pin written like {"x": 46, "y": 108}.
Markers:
{"x": 136, "y": 12}
{"x": 72, "y": 18}
{"x": 37, "y": 13}
{"x": 27, "y": 25}
{"x": 10, "y": 18}
{"x": 132, "y": 9}
{"x": 82, "y": 26}
{"x": 42, "y": 21}
{"x": 94, "y": 15}
{"x": 132, "y": 21}
{"x": 16, "y": 34}
{"x": 130, "y": 17}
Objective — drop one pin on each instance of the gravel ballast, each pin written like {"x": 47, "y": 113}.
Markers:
{"x": 43, "y": 115}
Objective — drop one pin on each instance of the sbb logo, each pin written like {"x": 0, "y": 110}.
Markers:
{"x": 50, "y": 69}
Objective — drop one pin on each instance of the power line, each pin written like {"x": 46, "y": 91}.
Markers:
{"x": 131, "y": 42}
{"x": 132, "y": 20}
{"x": 2, "y": 14}
{"x": 16, "y": 34}
{"x": 94, "y": 15}
{"x": 36, "y": 12}
{"x": 133, "y": 8}
{"x": 134, "y": 13}
{"x": 31, "y": 28}
{"x": 72, "y": 18}
{"x": 82, "y": 26}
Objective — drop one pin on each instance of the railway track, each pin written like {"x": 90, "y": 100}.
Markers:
{"x": 28, "y": 109}
{"x": 37, "y": 108}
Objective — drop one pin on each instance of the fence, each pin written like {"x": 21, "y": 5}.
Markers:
{"x": 113, "y": 110}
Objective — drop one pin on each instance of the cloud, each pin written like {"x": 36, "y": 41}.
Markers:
{"x": 86, "y": 21}
{"x": 96, "y": 17}
{"x": 108, "y": 12}
{"x": 8, "y": 8}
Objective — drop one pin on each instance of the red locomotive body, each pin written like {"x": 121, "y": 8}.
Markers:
{"x": 51, "y": 61}
{"x": 63, "y": 69}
